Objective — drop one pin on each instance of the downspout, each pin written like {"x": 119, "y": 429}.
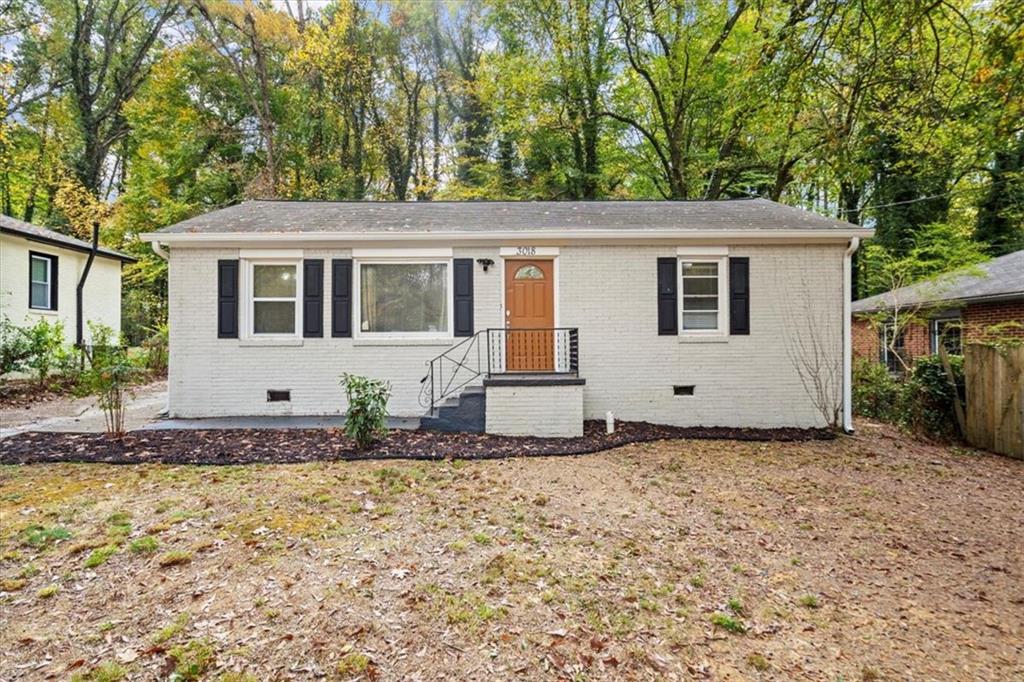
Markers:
{"x": 159, "y": 249}
{"x": 847, "y": 336}
{"x": 79, "y": 317}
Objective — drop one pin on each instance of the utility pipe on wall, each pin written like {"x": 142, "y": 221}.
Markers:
{"x": 79, "y": 316}
{"x": 847, "y": 336}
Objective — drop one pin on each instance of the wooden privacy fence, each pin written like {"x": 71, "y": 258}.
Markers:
{"x": 995, "y": 398}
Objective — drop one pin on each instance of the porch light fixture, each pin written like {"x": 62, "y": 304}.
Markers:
{"x": 485, "y": 263}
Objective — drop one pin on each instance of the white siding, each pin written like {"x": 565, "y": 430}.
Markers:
{"x": 609, "y": 292}
{"x": 101, "y": 298}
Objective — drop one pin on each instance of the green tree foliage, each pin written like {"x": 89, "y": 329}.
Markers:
{"x": 903, "y": 116}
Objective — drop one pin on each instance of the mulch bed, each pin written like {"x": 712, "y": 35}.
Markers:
{"x": 278, "y": 446}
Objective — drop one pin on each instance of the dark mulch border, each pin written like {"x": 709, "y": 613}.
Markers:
{"x": 281, "y": 446}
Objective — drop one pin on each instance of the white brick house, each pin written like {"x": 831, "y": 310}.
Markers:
{"x": 40, "y": 273}
{"x": 536, "y": 315}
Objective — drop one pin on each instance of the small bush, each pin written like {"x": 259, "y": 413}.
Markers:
{"x": 875, "y": 391}
{"x": 39, "y": 536}
{"x": 109, "y": 377}
{"x": 46, "y": 342}
{"x": 15, "y": 347}
{"x": 367, "y": 408}
{"x": 156, "y": 349}
{"x": 104, "y": 672}
{"x": 927, "y": 398}
{"x": 921, "y": 402}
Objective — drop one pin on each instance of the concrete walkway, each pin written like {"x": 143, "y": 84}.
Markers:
{"x": 81, "y": 414}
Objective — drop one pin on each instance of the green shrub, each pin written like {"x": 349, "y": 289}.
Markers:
{"x": 875, "y": 391}
{"x": 367, "y": 408}
{"x": 109, "y": 377}
{"x": 46, "y": 343}
{"x": 927, "y": 398}
{"x": 156, "y": 345}
{"x": 922, "y": 401}
{"x": 15, "y": 347}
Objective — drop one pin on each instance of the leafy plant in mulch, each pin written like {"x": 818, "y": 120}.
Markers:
{"x": 109, "y": 377}
{"x": 367, "y": 416}
{"x": 192, "y": 659}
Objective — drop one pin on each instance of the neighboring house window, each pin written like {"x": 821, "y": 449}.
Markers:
{"x": 404, "y": 299}
{"x": 703, "y": 296}
{"x": 274, "y": 290}
{"x": 892, "y": 350}
{"x": 42, "y": 293}
{"x": 946, "y": 330}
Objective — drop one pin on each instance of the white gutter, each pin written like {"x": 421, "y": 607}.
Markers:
{"x": 518, "y": 236}
{"x": 847, "y": 336}
{"x": 159, "y": 249}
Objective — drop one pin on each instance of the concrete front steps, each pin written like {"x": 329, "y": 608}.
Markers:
{"x": 463, "y": 413}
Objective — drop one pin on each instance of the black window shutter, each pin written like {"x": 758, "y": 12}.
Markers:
{"x": 227, "y": 299}
{"x": 739, "y": 296}
{"x": 668, "y": 299}
{"x": 313, "y": 298}
{"x": 341, "y": 297}
{"x": 463, "y": 299}
{"x": 54, "y": 281}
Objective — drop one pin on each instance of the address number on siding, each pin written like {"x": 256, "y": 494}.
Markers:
{"x": 528, "y": 251}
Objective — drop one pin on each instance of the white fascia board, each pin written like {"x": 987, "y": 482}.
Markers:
{"x": 515, "y": 236}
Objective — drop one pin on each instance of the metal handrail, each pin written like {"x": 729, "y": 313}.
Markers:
{"x": 491, "y": 346}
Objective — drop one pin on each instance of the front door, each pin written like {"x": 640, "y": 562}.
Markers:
{"x": 529, "y": 315}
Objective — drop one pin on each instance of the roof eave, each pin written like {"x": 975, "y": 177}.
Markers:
{"x": 507, "y": 235}
{"x": 57, "y": 243}
{"x": 948, "y": 302}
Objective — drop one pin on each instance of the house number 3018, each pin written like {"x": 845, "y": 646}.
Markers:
{"x": 526, "y": 250}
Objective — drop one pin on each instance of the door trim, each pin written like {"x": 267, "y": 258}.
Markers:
{"x": 554, "y": 289}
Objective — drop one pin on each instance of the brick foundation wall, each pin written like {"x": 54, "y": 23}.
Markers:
{"x": 977, "y": 318}
{"x": 544, "y": 411}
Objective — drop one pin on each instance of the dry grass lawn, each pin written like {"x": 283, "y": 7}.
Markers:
{"x": 866, "y": 558}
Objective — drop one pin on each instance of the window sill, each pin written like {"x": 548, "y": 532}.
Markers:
{"x": 702, "y": 338}
{"x": 43, "y": 311}
{"x": 269, "y": 343}
{"x": 402, "y": 342}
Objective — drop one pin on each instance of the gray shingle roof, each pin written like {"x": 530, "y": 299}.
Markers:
{"x": 20, "y": 227}
{"x": 998, "y": 279}
{"x": 491, "y": 216}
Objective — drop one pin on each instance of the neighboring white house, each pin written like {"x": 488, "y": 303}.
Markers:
{"x": 40, "y": 271}
{"x": 521, "y": 317}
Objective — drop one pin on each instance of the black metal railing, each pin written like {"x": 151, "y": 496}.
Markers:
{"x": 494, "y": 351}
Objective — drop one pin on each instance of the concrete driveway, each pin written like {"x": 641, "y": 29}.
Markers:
{"x": 82, "y": 414}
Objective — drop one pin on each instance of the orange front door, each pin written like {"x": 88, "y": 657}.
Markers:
{"x": 529, "y": 315}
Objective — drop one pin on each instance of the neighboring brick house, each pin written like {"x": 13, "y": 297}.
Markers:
{"x": 515, "y": 317}
{"x": 959, "y": 308}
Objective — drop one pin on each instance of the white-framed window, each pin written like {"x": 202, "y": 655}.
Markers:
{"x": 946, "y": 330}
{"x": 703, "y": 295}
{"x": 403, "y": 298}
{"x": 272, "y": 293}
{"x": 42, "y": 292}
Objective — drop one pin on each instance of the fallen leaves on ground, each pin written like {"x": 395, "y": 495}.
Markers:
{"x": 865, "y": 557}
